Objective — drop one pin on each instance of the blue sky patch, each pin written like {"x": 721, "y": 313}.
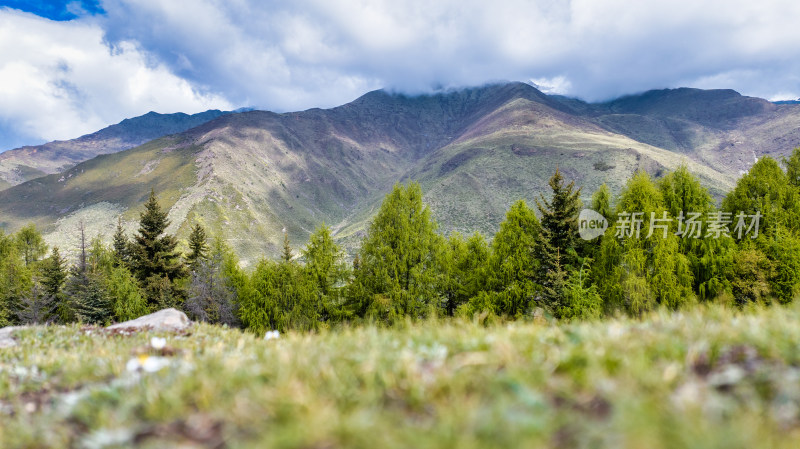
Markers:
{"x": 55, "y": 9}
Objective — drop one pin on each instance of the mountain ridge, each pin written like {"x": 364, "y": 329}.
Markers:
{"x": 29, "y": 162}
{"x": 474, "y": 151}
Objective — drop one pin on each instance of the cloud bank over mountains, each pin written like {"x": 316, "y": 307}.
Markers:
{"x": 61, "y": 79}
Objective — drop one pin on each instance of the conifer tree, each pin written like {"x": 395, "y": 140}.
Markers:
{"x": 463, "y": 270}
{"x": 682, "y": 191}
{"x": 154, "y": 258}
{"x": 211, "y": 296}
{"x": 287, "y": 255}
{"x": 54, "y": 273}
{"x": 121, "y": 245}
{"x": 31, "y": 244}
{"x": 766, "y": 189}
{"x": 87, "y": 293}
{"x": 512, "y": 266}
{"x": 750, "y": 276}
{"x": 88, "y": 299}
{"x": 326, "y": 267}
{"x": 127, "y": 299}
{"x": 793, "y": 167}
{"x": 553, "y": 289}
{"x": 601, "y": 202}
{"x": 16, "y": 279}
{"x": 47, "y": 296}
{"x": 198, "y": 247}
{"x": 559, "y": 222}
{"x": 399, "y": 258}
{"x": 280, "y": 296}
{"x": 37, "y": 306}
{"x": 581, "y": 299}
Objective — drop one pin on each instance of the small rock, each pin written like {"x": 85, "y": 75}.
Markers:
{"x": 6, "y": 336}
{"x": 163, "y": 320}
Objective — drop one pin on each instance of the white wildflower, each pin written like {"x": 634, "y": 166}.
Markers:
{"x": 147, "y": 363}
{"x": 158, "y": 343}
{"x": 272, "y": 335}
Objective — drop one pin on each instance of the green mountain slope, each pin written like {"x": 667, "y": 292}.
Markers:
{"x": 474, "y": 151}
{"x": 26, "y": 163}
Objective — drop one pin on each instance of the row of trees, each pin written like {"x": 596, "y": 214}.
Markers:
{"x": 405, "y": 268}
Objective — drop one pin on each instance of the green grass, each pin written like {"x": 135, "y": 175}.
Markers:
{"x": 706, "y": 378}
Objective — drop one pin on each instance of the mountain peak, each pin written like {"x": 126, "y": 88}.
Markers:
{"x": 716, "y": 108}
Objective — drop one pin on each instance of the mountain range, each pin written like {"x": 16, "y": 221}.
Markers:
{"x": 30, "y": 162}
{"x": 474, "y": 151}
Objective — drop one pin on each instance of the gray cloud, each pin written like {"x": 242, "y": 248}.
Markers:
{"x": 289, "y": 55}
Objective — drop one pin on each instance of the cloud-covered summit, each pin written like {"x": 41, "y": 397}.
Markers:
{"x": 193, "y": 54}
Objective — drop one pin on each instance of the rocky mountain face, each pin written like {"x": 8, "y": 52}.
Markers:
{"x": 247, "y": 176}
{"x": 30, "y": 162}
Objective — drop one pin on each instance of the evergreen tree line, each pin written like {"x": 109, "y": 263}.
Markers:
{"x": 535, "y": 264}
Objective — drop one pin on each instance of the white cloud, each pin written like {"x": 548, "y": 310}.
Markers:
{"x": 59, "y": 80}
{"x": 293, "y": 55}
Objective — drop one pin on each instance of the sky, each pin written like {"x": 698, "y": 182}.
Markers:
{"x": 69, "y": 68}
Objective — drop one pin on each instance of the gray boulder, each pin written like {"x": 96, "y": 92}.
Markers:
{"x": 6, "y": 336}
{"x": 163, "y": 320}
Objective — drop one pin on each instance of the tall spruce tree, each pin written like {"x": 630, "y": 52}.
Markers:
{"x": 54, "y": 273}
{"x": 554, "y": 285}
{"x": 154, "y": 258}
{"x": 88, "y": 299}
{"x": 198, "y": 247}
{"x": 122, "y": 245}
{"x": 556, "y": 244}
{"x": 559, "y": 222}
{"x": 287, "y": 254}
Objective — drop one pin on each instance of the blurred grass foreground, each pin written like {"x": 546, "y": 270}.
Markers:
{"x": 709, "y": 377}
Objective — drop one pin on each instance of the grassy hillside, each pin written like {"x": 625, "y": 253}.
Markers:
{"x": 705, "y": 378}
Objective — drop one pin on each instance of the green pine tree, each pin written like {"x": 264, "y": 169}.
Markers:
{"x": 280, "y": 296}
{"x": 287, "y": 255}
{"x": 559, "y": 223}
{"x": 154, "y": 259}
{"x": 89, "y": 300}
{"x": 54, "y": 273}
{"x": 552, "y": 298}
{"x": 122, "y": 245}
{"x": 198, "y": 247}
{"x": 767, "y": 190}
